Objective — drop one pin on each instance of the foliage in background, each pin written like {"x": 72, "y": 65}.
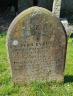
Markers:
{"x": 7, "y": 4}
{"x": 68, "y": 30}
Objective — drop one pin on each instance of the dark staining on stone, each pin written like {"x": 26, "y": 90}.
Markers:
{"x": 36, "y": 27}
{"x": 36, "y": 34}
{"x": 15, "y": 49}
{"x": 16, "y": 62}
{"x": 38, "y": 38}
{"x": 47, "y": 43}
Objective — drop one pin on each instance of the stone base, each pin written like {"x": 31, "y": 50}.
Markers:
{"x": 64, "y": 22}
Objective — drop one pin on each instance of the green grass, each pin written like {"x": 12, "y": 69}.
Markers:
{"x": 35, "y": 89}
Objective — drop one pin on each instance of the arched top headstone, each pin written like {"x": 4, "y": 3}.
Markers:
{"x": 36, "y": 46}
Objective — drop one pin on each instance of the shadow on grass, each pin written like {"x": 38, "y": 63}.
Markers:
{"x": 68, "y": 78}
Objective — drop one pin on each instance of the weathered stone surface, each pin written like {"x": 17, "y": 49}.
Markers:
{"x": 36, "y": 47}
{"x": 56, "y": 7}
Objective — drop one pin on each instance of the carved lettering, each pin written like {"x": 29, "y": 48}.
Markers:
{"x": 36, "y": 27}
{"x": 36, "y": 45}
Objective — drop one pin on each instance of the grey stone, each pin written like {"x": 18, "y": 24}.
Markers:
{"x": 36, "y": 47}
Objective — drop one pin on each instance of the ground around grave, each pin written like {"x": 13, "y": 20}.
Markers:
{"x": 7, "y": 17}
{"x": 34, "y": 89}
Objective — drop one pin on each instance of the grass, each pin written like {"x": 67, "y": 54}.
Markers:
{"x": 35, "y": 89}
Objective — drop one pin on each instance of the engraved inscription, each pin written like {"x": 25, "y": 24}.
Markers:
{"x": 36, "y": 47}
{"x": 36, "y": 27}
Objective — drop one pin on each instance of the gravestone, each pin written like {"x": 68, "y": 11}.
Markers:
{"x": 57, "y": 7}
{"x": 36, "y": 47}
